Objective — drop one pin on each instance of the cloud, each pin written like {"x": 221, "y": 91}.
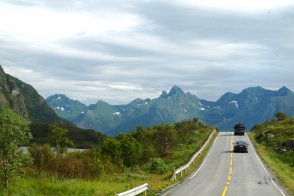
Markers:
{"x": 237, "y": 5}
{"x": 95, "y": 50}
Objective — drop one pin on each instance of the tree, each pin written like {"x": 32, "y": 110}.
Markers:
{"x": 196, "y": 121}
{"x": 280, "y": 116}
{"x": 42, "y": 155}
{"x": 131, "y": 150}
{"x": 14, "y": 132}
{"x": 166, "y": 137}
{"x": 59, "y": 139}
{"x": 112, "y": 148}
{"x": 139, "y": 134}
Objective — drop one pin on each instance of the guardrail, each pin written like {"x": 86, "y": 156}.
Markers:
{"x": 136, "y": 191}
{"x": 145, "y": 187}
{"x": 191, "y": 161}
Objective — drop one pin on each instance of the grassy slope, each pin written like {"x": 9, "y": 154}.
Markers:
{"x": 270, "y": 139}
{"x": 106, "y": 185}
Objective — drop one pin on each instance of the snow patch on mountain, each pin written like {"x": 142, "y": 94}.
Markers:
{"x": 235, "y": 102}
{"x": 60, "y": 108}
{"x": 116, "y": 113}
{"x": 217, "y": 107}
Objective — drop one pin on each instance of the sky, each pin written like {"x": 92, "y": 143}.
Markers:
{"x": 117, "y": 51}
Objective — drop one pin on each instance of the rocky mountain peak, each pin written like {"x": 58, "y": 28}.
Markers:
{"x": 57, "y": 97}
{"x": 163, "y": 94}
{"x": 175, "y": 90}
{"x": 284, "y": 91}
{"x": 136, "y": 102}
{"x": 254, "y": 90}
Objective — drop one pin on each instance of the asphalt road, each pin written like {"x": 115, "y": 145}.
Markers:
{"x": 224, "y": 173}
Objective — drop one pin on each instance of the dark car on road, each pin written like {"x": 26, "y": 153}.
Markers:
{"x": 241, "y": 146}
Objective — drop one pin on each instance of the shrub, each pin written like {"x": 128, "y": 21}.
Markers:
{"x": 78, "y": 165}
{"x": 157, "y": 165}
{"x": 280, "y": 116}
{"x": 42, "y": 157}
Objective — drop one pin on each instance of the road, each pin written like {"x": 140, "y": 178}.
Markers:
{"x": 224, "y": 173}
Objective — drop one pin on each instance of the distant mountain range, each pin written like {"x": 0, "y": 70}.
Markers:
{"x": 26, "y": 101}
{"x": 253, "y": 105}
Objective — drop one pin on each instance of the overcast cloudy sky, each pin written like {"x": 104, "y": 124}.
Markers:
{"x": 118, "y": 50}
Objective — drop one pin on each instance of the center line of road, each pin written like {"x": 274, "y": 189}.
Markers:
{"x": 230, "y": 170}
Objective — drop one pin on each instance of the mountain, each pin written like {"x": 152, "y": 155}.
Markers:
{"x": 65, "y": 107}
{"x": 25, "y": 100}
{"x": 252, "y": 105}
{"x": 100, "y": 116}
{"x": 169, "y": 107}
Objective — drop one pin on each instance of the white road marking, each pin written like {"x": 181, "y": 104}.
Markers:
{"x": 269, "y": 175}
{"x": 267, "y": 171}
{"x": 204, "y": 159}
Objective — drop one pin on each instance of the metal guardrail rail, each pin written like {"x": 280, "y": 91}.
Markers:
{"x": 191, "y": 161}
{"x": 145, "y": 187}
{"x": 136, "y": 191}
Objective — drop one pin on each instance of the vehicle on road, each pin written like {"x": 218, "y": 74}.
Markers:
{"x": 239, "y": 129}
{"x": 241, "y": 146}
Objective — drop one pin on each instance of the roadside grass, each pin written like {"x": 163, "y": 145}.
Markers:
{"x": 199, "y": 160}
{"x": 109, "y": 184}
{"x": 51, "y": 185}
{"x": 183, "y": 154}
{"x": 282, "y": 170}
{"x": 106, "y": 185}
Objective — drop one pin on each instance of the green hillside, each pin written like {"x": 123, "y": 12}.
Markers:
{"x": 25, "y": 100}
{"x": 38, "y": 110}
{"x": 274, "y": 141}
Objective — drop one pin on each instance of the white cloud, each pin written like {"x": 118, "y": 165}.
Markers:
{"x": 128, "y": 87}
{"x": 238, "y": 5}
{"x": 118, "y": 51}
{"x": 85, "y": 91}
{"x": 33, "y": 23}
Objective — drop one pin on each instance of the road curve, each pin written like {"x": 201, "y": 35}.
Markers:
{"x": 225, "y": 173}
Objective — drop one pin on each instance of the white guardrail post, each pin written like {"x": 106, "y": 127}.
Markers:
{"x": 191, "y": 161}
{"x": 135, "y": 191}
